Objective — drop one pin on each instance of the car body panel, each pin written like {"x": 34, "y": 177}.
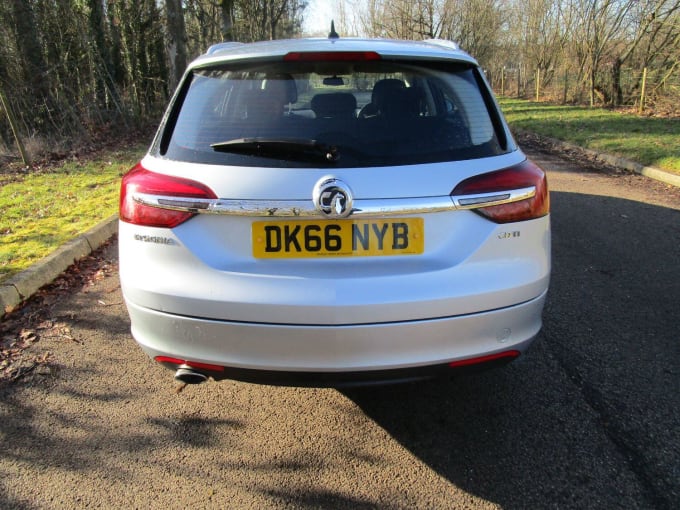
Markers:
{"x": 224, "y": 281}
{"x": 316, "y": 348}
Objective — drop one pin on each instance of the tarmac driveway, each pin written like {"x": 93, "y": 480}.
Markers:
{"x": 589, "y": 418}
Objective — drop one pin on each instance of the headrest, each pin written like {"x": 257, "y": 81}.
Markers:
{"x": 388, "y": 86}
{"x": 281, "y": 86}
{"x": 334, "y": 104}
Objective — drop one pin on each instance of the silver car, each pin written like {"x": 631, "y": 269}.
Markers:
{"x": 333, "y": 211}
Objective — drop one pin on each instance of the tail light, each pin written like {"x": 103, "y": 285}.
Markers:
{"x": 141, "y": 187}
{"x": 517, "y": 193}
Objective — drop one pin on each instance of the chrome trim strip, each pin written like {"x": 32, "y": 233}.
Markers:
{"x": 305, "y": 208}
{"x": 495, "y": 198}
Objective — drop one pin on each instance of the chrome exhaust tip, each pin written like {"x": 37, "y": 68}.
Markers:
{"x": 188, "y": 375}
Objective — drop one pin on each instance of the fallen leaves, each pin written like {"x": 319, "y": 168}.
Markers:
{"x": 12, "y": 366}
{"x": 22, "y": 329}
{"x": 13, "y": 346}
{"x": 11, "y": 370}
{"x": 17, "y": 351}
{"x": 27, "y": 336}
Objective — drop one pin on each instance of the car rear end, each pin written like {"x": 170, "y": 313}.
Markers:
{"x": 328, "y": 212}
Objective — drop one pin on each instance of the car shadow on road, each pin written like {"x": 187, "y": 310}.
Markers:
{"x": 512, "y": 436}
{"x": 588, "y": 417}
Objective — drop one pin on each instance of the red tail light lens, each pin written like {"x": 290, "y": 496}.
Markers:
{"x": 523, "y": 175}
{"x": 141, "y": 180}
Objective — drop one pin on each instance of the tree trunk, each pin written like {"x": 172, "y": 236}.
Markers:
{"x": 177, "y": 50}
{"x": 118, "y": 68}
{"x": 30, "y": 50}
{"x": 104, "y": 61}
{"x": 617, "y": 91}
{"x": 226, "y": 13}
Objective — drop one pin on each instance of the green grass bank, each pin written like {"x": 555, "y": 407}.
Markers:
{"x": 651, "y": 141}
{"x": 44, "y": 208}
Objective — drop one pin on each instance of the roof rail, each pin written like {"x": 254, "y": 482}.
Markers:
{"x": 444, "y": 43}
{"x": 222, "y": 46}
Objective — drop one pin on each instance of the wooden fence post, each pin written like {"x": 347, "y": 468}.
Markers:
{"x": 15, "y": 129}
{"x": 641, "y": 108}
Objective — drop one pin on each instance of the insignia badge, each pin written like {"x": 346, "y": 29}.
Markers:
{"x": 332, "y": 198}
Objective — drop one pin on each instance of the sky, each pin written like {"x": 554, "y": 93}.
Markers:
{"x": 318, "y": 16}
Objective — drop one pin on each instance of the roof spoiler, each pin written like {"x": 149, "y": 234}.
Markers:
{"x": 222, "y": 46}
{"x": 444, "y": 43}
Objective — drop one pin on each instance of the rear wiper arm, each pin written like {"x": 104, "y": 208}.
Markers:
{"x": 299, "y": 148}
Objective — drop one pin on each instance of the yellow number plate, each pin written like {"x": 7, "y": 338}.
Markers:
{"x": 338, "y": 238}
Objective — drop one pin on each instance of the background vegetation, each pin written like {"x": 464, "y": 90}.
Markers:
{"x": 581, "y": 51}
{"x": 77, "y": 70}
{"x": 74, "y": 71}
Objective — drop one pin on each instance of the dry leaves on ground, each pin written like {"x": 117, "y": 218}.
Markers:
{"x": 22, "y": 328}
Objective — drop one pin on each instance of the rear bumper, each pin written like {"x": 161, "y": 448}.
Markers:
{"x": 309, "y": 355}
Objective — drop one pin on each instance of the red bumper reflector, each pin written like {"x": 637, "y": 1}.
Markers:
{"x": 484, "y": 359}
{"x": 192, "y": 364}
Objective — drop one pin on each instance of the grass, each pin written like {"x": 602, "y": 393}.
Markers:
{"x": 43, "y": 209}
{"x": 652, "y": 141}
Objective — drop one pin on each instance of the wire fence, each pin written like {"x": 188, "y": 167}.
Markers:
{"x": 647, "y": 90}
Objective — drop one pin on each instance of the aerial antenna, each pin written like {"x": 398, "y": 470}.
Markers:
{"x": 333, "y": 34}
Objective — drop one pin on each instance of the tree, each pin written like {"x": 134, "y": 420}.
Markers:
{"x": 404, "y": 19}
{"x": 104, "y": 76}
{"x": 544, "y": 27}
{"x": 654, "y": 29}
{"x": 177, "y": 50}
{"x": 267, "y": 19}
{"x": 29, "y": 47}
{"x": 476, "y": 25}
{"x": 227, "y": 17}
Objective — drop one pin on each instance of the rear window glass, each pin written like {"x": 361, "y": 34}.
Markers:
{"x": 349, "y": 114}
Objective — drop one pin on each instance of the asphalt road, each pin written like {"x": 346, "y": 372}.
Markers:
{"x": 589, "y": 418}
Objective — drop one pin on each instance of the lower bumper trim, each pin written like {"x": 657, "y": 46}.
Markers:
{"x": 354, "y": 378}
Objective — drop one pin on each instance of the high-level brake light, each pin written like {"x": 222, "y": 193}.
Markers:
{"x": 331, "y": 56}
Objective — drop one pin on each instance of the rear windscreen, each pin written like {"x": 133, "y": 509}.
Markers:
{"x": 349, "y": 114}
